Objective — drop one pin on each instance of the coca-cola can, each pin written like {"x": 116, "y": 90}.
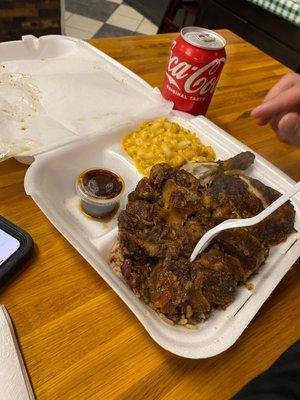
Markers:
{"x": 197, "y": 59}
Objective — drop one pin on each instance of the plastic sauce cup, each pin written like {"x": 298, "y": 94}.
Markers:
{"x": 99, "y": 189}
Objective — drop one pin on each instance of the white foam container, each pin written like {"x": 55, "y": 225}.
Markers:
{"x": 50, "y": 182}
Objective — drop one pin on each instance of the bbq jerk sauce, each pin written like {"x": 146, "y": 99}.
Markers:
{"x": 102, "y": 184}
{"x": 100, "y": 191}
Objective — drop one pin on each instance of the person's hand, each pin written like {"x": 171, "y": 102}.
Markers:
{"x": 281, "y": 108}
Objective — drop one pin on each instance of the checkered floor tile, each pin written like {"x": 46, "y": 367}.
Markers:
{"x": 104, "y": 18}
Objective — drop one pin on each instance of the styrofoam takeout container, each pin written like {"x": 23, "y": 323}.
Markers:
{"x": 50, "y": 182}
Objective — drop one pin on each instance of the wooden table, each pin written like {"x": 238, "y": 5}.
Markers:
{"x": 78, "y": 339}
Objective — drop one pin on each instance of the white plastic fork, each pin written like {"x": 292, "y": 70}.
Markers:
{"x": 243, "y": 222}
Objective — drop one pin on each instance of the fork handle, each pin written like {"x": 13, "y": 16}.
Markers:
{"x": 277, "y": 203}
{"x": 233, "y": 223}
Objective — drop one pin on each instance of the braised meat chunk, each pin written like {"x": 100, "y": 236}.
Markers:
{"x": 170, "y": 211}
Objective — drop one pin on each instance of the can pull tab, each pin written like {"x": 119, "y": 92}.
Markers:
{"x": 206, "y": 37}
{"x": 200, "y": 38}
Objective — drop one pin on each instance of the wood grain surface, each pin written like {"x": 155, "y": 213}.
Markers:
{"x": 78, "y": 339}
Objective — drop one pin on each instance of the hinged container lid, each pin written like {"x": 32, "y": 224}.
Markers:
{"x": 57, "y": 89}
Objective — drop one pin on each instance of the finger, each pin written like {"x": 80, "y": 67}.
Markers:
{"x": 287, "y": 101}
{"x": 275, "y": 121}
{"x": 284, "y": 83}
{"x": 289, "y": 128}
{"x": 265, "y": 120}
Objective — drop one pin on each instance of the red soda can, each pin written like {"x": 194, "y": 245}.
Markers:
{"x": 197, "y": 59}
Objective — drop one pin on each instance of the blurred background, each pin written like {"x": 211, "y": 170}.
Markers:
{"x": 271, "y": 25}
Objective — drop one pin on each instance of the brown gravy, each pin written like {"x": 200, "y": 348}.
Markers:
{"x": 101, "y": 183}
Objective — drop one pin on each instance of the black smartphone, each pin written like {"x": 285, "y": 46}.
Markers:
{"x": 16, "y": 247}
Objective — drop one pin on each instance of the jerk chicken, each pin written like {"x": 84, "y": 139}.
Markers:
{"x": 168, "y": 213}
